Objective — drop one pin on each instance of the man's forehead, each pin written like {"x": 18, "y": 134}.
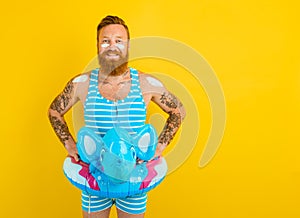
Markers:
{"x": 113, "y": 29}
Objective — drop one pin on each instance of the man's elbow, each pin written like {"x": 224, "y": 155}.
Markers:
{"x": 53, "y": 113}
{"x": 181, "y": 111}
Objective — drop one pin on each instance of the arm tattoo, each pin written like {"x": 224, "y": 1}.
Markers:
{"x": 59, "y": 105}
{"x": 174, "y": 119}
{"x": 61, "y": 129}
{"x": 172, "y": 124}
{"x": 169, "y": 99}
{"x": 61, "y": 101}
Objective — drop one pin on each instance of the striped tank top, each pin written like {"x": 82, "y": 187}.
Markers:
{"x": 101, "y": 114}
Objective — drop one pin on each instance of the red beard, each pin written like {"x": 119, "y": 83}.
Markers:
{"x": 113, "y": 67}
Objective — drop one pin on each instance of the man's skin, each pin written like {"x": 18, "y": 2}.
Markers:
{"x": 114, "y": 87}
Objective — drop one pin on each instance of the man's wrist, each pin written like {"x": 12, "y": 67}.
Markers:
{"x": 160, "y": 147}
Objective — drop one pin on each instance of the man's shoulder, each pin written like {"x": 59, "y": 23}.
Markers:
{"x": 81, "y": 82}
{"x": 82, "y": 77}
{"x": 148, "y": 82}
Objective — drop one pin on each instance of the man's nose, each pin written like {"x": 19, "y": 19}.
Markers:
{"x": 113, "y": 46}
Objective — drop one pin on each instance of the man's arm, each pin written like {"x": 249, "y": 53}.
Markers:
{"x": 60, "y": 105}
{"x": 171, "y": 105}
{"x": 154, "y": 90}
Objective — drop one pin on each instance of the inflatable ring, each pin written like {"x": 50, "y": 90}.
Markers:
{"x": 108, "y": 166}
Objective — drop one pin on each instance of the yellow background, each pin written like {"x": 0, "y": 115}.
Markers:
{"x": 253, "y": 47}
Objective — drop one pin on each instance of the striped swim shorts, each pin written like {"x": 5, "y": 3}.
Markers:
{"x": 133, "y": 205}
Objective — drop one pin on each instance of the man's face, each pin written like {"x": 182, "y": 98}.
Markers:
{"x": 112, "y": 47}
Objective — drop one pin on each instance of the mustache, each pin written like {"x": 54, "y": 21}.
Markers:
{"x": 112, "y": 51}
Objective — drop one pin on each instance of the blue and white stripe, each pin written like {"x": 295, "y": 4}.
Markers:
{"x": 94, "y": 203}
{"x": 132, "y": 205}
{"x": 101, "y": 114}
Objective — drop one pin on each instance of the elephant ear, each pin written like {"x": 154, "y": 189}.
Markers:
{"x": 146, "y": 142}
{"x": 89, "y": 145}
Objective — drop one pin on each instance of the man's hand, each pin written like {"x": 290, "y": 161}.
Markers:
{"x": 72, "y": 151}
{"x": 159, "y": 149}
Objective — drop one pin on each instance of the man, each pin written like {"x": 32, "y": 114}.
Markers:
{"x": 111, "y": 84}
